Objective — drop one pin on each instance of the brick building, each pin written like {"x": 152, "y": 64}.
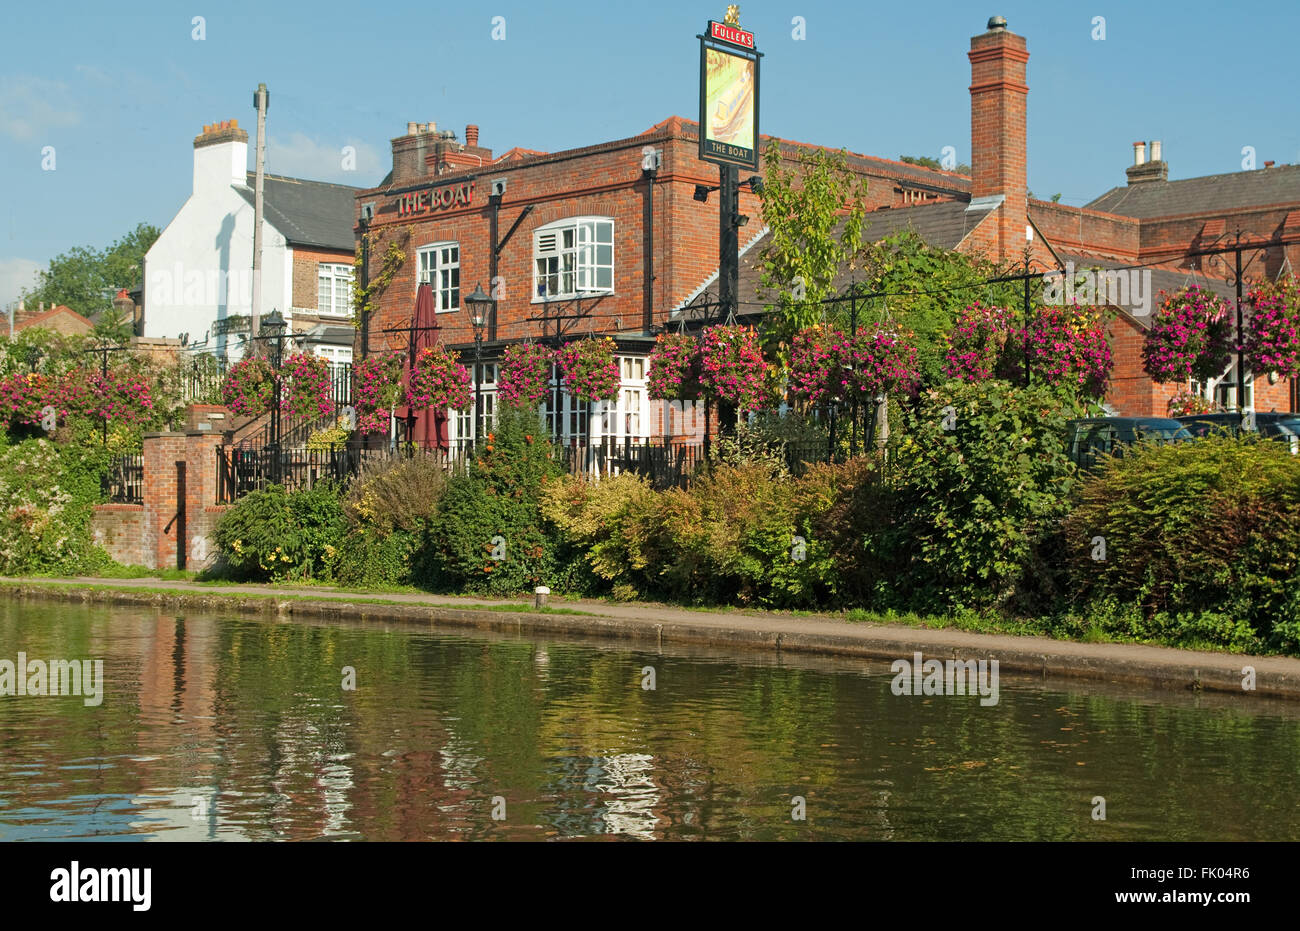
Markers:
{"x": 607, "y": 239}
{"x": 611, "y": 240}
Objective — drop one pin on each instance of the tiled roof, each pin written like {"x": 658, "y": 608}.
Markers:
{"x": 941, "y": 225}
{"x": 1162, "y": 279}
{"x": 308, "y": 213}
{"x": 1210, "y": 194}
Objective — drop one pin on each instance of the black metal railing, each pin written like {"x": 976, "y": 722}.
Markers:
{"x": 242, "y": 469}
{"x": 123, "y": 483}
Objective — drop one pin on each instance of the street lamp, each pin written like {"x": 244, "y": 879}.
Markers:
{"x": 478, "y": 303}
{"x": 273, "y": 327}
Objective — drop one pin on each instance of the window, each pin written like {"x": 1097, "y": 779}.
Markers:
{"x": 439, "y": 266}
{"x": 334, "y": 289}
{"x": 464, "y": 425}
{"x": 573, "y": 257}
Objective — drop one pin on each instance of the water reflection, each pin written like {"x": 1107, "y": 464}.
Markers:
{"x": 233, "y": 729}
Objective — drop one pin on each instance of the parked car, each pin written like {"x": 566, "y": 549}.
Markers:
{"x": 1093, "y": 437}
{"x": 1284, "y": 427}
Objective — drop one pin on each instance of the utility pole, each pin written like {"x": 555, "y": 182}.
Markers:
{"x": 261, "y": 100}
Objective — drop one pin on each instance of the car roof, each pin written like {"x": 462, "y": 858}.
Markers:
{"x": 1140, "y": 421}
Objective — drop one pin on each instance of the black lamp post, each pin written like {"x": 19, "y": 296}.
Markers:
{"x": 273, "y": 328}
{"x": 479, "y": 304}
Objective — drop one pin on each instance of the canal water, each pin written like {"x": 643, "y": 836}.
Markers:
{"x": 226, "y": 728}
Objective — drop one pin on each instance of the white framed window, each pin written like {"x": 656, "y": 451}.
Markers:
{"x": 438, "y": 264}
{"x": 336, "y": 354}
{"x": 465, "y": 427}
{"x": 572, "y": 257}
{"x": 334, "y": 289}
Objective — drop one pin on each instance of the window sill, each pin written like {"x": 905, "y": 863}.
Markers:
{"x": 572, "y": 297}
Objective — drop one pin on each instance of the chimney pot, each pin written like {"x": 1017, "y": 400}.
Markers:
{"x": 1156, "y": 150}
{"x": 1139, "y": 153}
{"x": 997, "y": 24}
{"x": 412, "y": 128}
{"x": 471, "y": 135}
{"x": 1269, "y": 164}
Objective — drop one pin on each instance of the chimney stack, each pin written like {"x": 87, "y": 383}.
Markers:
{"x": 999, "y": 94}
{"x": 471, "y": 135}
{"x": 1143, "y": 170}
{"x": 220, "y": 156}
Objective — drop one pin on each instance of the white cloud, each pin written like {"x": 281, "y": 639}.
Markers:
{"x": 301, "y": 156}
{"x": 31, "y": 107}
{"x": 16, "y": 274}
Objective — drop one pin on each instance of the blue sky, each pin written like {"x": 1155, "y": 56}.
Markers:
{"x": 120, "y": 90}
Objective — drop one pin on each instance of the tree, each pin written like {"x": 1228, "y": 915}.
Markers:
{"x": 85, "y": 279}
{"x": 926, "y": 161}
{"x": 928, "y": 288}
{"x": 814, "y": 212}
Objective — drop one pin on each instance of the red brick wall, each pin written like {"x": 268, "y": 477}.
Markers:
{"x": 305, "y": 295}
{"x": 119, "y": 529}
{"x": 159, "y": 533}
{"x": 600, "y": 180}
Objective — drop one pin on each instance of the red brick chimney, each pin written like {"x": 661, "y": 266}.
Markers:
{"x": 997, "y": 120}
{"x": 471, "y": 136}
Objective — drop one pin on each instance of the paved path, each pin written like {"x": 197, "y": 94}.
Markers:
{"x": 639, "y": 623}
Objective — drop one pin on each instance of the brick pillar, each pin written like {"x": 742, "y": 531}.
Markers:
{"x": 201, "y": 496}
{"x": 998, "y": 95}
{"x": 162, "y": 451}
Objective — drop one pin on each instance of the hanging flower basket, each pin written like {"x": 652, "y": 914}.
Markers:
{"x": 1272, "y": 339}
{"x": 732, "y": 367}
{"x": 378, "y": 381}
{"x": 525, "y": 374}
{"x": 1189, "y": 337}
{"x": 1188, "y": 403}
{"x": 977, "y": 345}
{"x": 1068, "y": 345}
{"x": 308, "y": 389}
{"x": 882, "y": 361}
{"x": 817, "y": 359}
{"x": 249, "y": 387}
{"x": 439, "y": 380}
{"x": 674, "y": 368}
{"x": 590, "y": 369}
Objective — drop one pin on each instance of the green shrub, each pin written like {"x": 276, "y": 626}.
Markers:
{"x": 982, "y": 480}
{"x": 603, "y": 523}
{"x": 493, "y": 509}
{"x": 396, "y": 494}
{"x": 47, "y": 499}
{"x": 274, "y": 535}
{"x": 371, "y": 558}
{"x": 1206, "y": 533}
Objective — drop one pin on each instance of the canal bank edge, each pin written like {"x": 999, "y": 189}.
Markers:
{"x": 1151, "y": 666}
